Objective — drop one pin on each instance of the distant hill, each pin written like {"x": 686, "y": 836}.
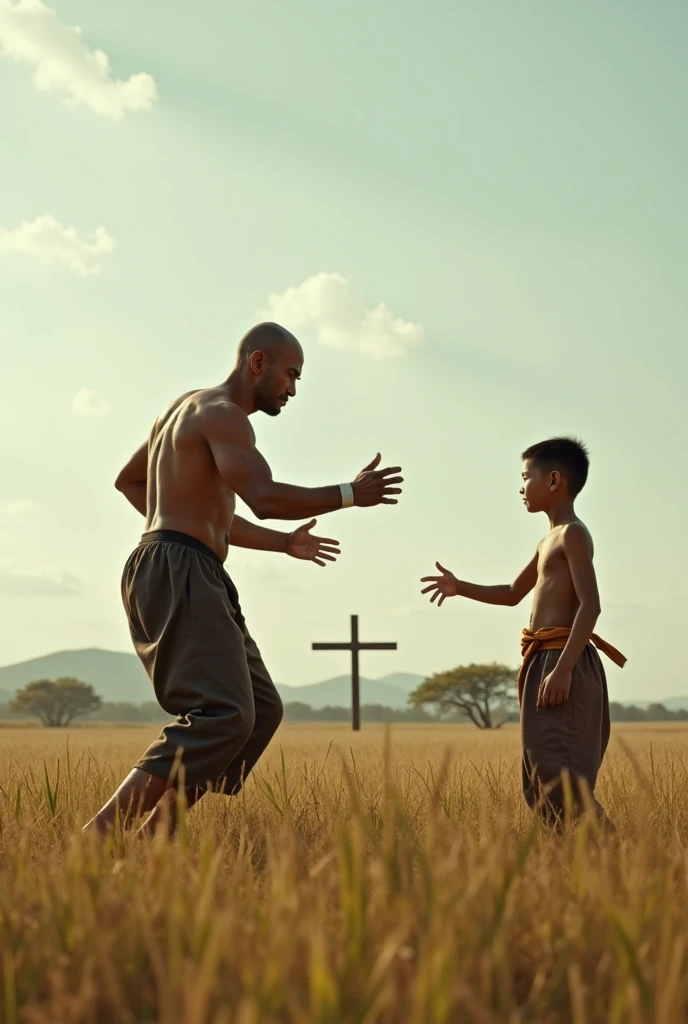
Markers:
{"x": 406, "y": 681}
{"x": 115, "y": 675}
{"x": 675, "y": 703}
{"x": 392, "y": 691}
{"x": 119, "y": 676}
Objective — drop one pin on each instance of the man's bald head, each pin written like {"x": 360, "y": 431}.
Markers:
{"x": 271, "y": 359}
{"x": 271, "y": 339}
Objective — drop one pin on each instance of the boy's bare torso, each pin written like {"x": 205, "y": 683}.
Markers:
{"x": 185, "y": 490}
{"x": 554, "y": 599}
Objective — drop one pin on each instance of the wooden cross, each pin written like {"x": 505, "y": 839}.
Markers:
{"x": 355, "y": 646}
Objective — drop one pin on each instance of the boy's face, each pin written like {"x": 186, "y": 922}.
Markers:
{"x": 536, "y": 489}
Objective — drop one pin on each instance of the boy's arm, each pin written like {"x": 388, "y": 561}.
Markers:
{"x": 576, "y": 544}
{"x": 242, "y": 467}
{"x": 132, "y": 480}
{"x": 300, "y": 543}
{"x": 509, "y": 594}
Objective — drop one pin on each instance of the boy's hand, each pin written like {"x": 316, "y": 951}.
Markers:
{"x": 554, "y": 688}
{"x": 442, "y": 586}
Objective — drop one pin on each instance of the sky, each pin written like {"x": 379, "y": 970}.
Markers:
{"x": 472, "y": 214}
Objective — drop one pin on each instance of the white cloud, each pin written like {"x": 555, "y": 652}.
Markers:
{"x": 88, "y": 403}
{"x": 52, "y": 243}
{"x": 39, "y": 582}
{"x": 31, "y": 32}
{"x": 327, "y": 303}
{"x": 16, "y": 508}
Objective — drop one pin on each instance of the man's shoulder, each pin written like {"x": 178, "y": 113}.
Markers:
{"x": 218, "y": 413}
{"x": 209, "y": 402}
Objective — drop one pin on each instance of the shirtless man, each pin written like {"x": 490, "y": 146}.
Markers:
{"x": 562, "y": 688}
{"x": 183, "y": 608}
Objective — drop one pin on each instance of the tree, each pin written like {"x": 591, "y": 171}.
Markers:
{"x": 657, "y": 713}
{"x": 56, "y": 702}
{"x": 475, "y": 690}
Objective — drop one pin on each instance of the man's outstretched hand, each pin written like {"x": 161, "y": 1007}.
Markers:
{"x": 442, "y": 586}
{"x": 302, "y": 544}
{"x": 375, "y": 486}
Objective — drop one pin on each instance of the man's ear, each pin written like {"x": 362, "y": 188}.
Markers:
{"x": 554, "y": 480}
{"x": 256, "y": 362}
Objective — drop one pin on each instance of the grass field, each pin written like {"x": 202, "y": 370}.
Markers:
{"x": 384, "y": 877}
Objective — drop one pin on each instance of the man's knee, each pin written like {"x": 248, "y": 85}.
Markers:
{"x": 276, "y": 711}
{"x": 269, "y": 714}
{"x": 245, "y": 723}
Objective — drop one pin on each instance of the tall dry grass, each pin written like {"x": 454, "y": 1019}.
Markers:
{"x": 347, "y": 883}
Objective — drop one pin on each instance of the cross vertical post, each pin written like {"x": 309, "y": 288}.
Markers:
{"x": 355, "y": 646}
{"x": 355, "y": 682}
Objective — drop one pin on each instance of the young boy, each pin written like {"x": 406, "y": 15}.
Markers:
{"x": 562, "y": 688}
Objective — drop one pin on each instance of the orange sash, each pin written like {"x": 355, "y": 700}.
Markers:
{"x": 554, "y": 638}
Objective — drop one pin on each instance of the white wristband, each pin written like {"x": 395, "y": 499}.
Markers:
{"x": 347, "y": 495}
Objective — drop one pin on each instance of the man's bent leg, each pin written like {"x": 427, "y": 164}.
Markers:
{"x": 189, "y": 634}
{"x": 268, "y": 715}
{"x": 196, "y": 661}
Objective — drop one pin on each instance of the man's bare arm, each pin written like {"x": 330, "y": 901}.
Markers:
{"x": 243, "y": 534}
{"x": 300, "y": 543}
{"x": 132, "y": 480}
{"x": 508, "y": 594}
{"x": 576, "y": 544}
{"x": 242, "y": 467}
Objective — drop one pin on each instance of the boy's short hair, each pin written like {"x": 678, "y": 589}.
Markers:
{"x": 568, "y": 455}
